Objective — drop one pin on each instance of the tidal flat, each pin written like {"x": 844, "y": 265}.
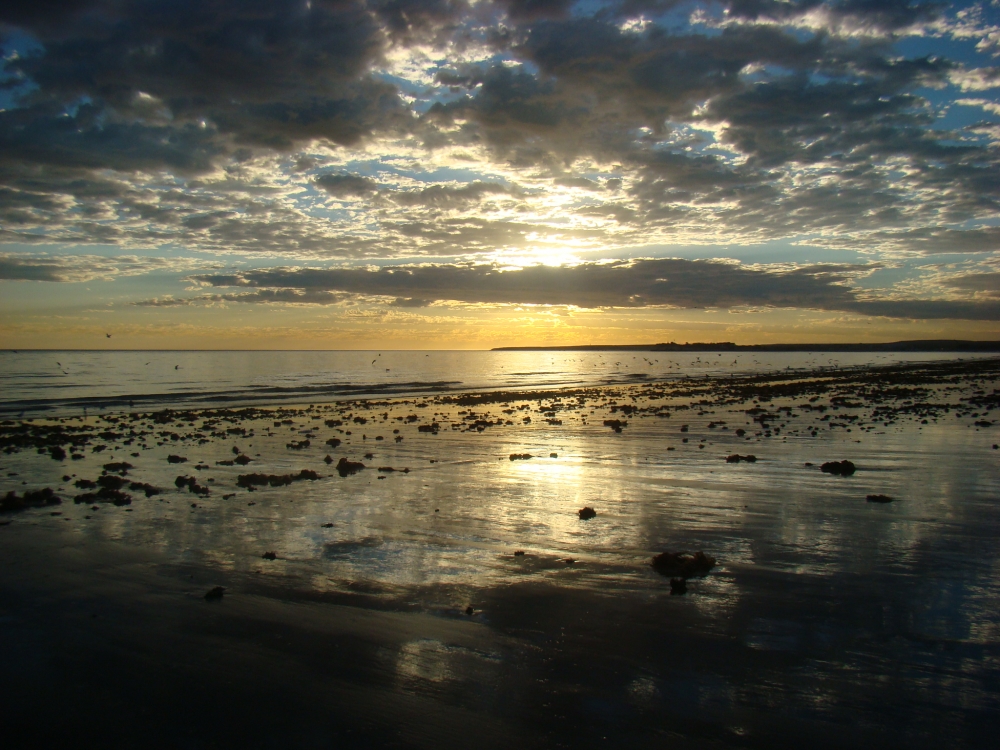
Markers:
{"x": 417, "y": 572}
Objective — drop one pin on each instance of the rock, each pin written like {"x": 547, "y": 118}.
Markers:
{"x": 683, "y": 564}
{"x": 242, "y": 460}
{"x": 215, "y": 595}
{"x": 250, "y": 481}
{"x": 470, "y": 611}
{"x": 587, "y": 513}
{"x": 615, "y": 424}
{"x": 149, "y": 489}
{"x": 333, "y": 442}
{"x": 346, "y": 468}
{"x": 327, "y": 526}
{"x": 736, "y": 458}
{"x": 879, "y": 499}
{"x": 192, "y": 485}
{"x": 553, "y": 455}
{"x": 838, "y": 468}
{"x": 270, "y": 555}
{"x": 327, "y": 459}
{"x": 740, "y": 432}
{"x": 678, "y": 586}
{"x": 519, "y": 553}
{"x": 118, "y": 467}
{"x": 57, "y": 453}
{"x": 11, "y": 502}
{"x": 520, "y": 456}
{"x": 176, "y": 459}
{"x": 104, "y": 495}
{"x": 298, "y": 445}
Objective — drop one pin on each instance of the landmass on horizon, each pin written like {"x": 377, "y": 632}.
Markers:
{"x": 923, "y": 345}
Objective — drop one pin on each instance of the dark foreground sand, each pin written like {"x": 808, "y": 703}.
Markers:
{"x": 397, "y": 614}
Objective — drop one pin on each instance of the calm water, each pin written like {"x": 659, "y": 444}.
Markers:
{"x": 64, "y": 383}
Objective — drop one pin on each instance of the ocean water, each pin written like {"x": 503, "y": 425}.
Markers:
{"x": 63, "y": 383}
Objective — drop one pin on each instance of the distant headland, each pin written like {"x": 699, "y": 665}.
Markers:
{"x": 929, "y": 345}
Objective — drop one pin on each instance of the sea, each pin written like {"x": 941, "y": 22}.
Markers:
{"x": 35, "y": 383}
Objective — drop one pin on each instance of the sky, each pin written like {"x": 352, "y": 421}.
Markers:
{"x": 465, "y": 174}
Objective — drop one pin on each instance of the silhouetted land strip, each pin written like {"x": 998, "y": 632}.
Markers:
{"x": 928, "y": 345}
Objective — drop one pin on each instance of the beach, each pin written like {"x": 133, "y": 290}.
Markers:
{"x": 416, "y": 571}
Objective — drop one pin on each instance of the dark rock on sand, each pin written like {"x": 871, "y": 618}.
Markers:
{"x": 215, "y": 595}
{"x": 879, "y": 499}
{"x": 149, "y": 489}
{"x": 346, "y": 467}
{"x": 192, "y": 485}
{"x": 270, "y": 556}
{"x": 587, "y": 513}
{"x": 111, "y": 482}
{"x": 678, "y": 586}
{"x": 333, "y": 442}
{"x": 615, "y": 424}
{"x": 736, "y": 458}
{"x": 104, "y": 495}
{"x": 838, "y": 468}
{"x": 176, "y": 459}
{"x": 520, "y": 456}
{"x": 118, "y": 467}
{"x": 274, "y": 480}
{"x": 57, "y": 453}
{"x": 11, "y": 502}
{"x": 683, "y": 564}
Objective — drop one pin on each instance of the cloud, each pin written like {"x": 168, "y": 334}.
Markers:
{"x": 259, "y": 296}
{"x": 78, "y": 268}
{"x": 642, "y": 283}
{"x": 227, "y": 127}
{"x": 346, "y": 185}
{"x": 447, "y": 197}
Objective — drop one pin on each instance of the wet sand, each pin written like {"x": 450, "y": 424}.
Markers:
{"x": 396, "y": 611}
